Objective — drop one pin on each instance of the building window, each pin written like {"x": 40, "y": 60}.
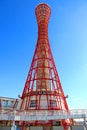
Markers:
{"x": 7, "y": 103}
{"x": 4, "y": 103}
{"x": 53, "y": 103}
{"x": 33, "y": 103}
{"x": 10, "y": 104}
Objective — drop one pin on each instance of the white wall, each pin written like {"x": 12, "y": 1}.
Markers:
{"x": 36, "y": 128}
{"x": 57, "y": 128}
{"x": 77, "y": 127}
{"x": 4, "y": 128}
{"x": 47, "y": 128}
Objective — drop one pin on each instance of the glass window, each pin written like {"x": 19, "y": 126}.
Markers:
{"x": 4, "y": 103}
{"x": 53, "y": 103}
{"x": 33, "y": 103}
{"x": 10, "y": 104}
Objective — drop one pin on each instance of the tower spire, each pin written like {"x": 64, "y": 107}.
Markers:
{"x": 43, "y": 89}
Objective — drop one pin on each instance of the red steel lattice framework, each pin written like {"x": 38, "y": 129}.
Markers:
{"x": 43, "y": 90}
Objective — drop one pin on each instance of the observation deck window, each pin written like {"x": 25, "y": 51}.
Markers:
{"x": 53, "y": 103}
{"x": 33, "y": 103}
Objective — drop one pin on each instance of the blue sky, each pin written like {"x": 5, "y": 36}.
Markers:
{"x": 68, "y": 40}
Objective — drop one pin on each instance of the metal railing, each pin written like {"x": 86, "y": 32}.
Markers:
{"x": 43, "y": 115}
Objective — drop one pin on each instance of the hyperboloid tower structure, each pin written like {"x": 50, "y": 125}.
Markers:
{"x": 43, "y": 93}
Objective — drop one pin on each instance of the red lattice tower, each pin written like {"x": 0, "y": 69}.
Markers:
{"x": 43, "y": 91}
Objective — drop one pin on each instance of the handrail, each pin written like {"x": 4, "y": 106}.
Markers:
{"x": 47, "y": 115}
